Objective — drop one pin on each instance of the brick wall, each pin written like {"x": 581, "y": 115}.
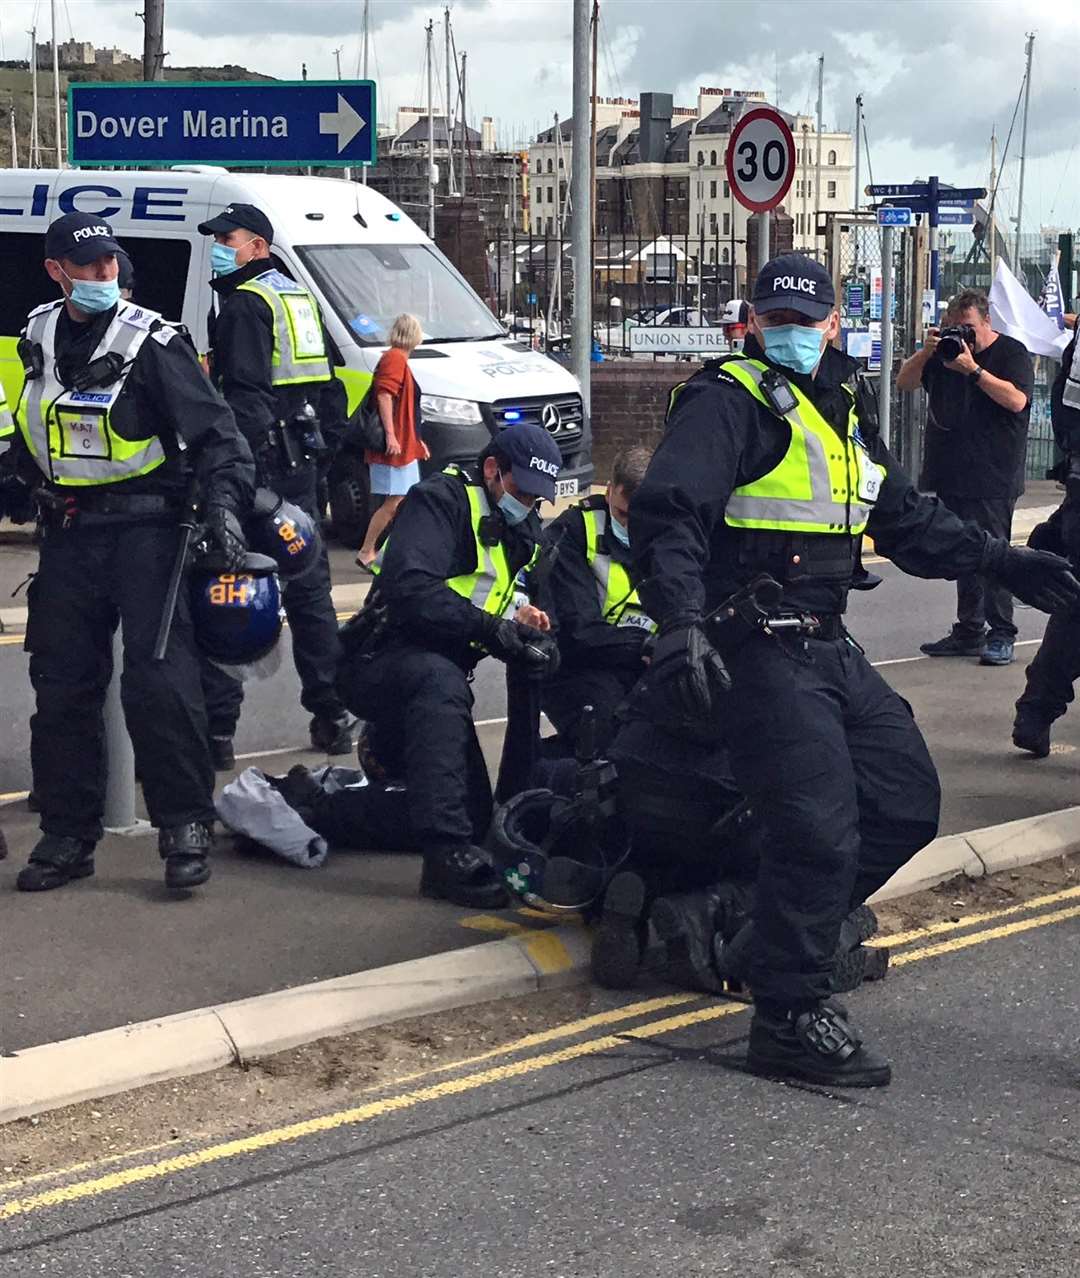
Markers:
{"x": 629, "y": 399}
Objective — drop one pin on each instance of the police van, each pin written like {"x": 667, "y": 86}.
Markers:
{"x": 361, "y": 256}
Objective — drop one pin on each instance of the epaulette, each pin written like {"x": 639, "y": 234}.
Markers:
{"x": 45, "y": 306}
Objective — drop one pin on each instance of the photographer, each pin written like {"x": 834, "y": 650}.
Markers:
{"x": 980, "y": 384}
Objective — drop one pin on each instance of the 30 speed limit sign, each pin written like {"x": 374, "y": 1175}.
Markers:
{"x": 761, "y": 159}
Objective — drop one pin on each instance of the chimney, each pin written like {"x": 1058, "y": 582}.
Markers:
{"x": 654, "y": 127}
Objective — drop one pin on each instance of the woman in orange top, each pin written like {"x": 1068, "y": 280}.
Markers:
{"x": 394, "y": 472}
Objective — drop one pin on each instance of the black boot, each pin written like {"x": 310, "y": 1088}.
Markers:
{"x": 464, "y": 875}
{"x": 221, "y": 754}
{"x": 687, "y": 925}
{"x": 332, "y": 734}
{"x": 1031, "y": 732}
{"x": 817, "y": 1046}
{"x": 618, "y": 942}
{"x": 185, "y": 850}
{"x": 56, "y": 860}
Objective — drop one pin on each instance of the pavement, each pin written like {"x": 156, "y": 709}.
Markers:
{"x": 628, "y": 1143}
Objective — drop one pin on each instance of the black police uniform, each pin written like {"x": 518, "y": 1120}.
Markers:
{"x": 601, "y": 638}
{"x": 106, "y": 556}
{"x": 411, "y": 682}
{"x": 242, "y": 342}
{"x": 1056, "y": 665}
{"x": 828, "y": 754}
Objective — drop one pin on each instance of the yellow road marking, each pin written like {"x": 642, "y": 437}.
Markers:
{"x": 548, "y": 952}
{"x": 951, "y": 925}
{"x": 491, "y": 923}
{"x": 11, "y": 639}
{"x": 14, "y": 796}
{"x": 85, "y": 1166}
{"x": 455, "y": 1086}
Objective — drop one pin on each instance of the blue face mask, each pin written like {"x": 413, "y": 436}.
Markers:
{"x": 513, "y": 510}
{"x": 222, "y": 259}
{"x": 621, "y": 532}
{"x": 794, "y": 346}
{"x": 93, "y": 297}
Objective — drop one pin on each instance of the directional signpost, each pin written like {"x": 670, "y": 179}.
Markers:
{"x": 928, "y": 197}
{"x": 760, "y": 166}
{"x": 294, "y": 124}
{"x": 889, "y": 216}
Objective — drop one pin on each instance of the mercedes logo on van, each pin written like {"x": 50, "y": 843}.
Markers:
{"x": 550, "y": 418}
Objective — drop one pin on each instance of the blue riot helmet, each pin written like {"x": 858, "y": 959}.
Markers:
{"x": 237, "y": 615}
{"x": 283, "y": 531}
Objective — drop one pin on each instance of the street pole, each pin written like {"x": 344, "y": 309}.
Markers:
{"x": 817, "y": 159}
{"x": 56, "y": 87}
{"x": 345, "y": 173}
{"x": 805, "y": 184}
{"x": 858, "y": 157}
{"x": 374, "y": 123}
{"x": 580, "y": 246}
{"x": 885, "y": 383}
{"x": 932, "y": 203}
{"x": 119, "y": 815}
{"x": 449, "y": 113}
{"x": 764, "y": 252}
{"x": 595, "y": 24}
{"x": 1023, "y": 158}
{"x": 35, "y": 136}
{"x": 153, "y": 39}
{"x": 430, "y": 133}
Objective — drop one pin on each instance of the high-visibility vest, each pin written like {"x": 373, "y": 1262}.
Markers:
{"x": 491, "y": 586}
{"x": 619, "y": 601}
{"x": 7, "y": 423}
{"x": 70, "y": 433}
{"x": 824, "y": 483}
{"x": 299, "y": 348}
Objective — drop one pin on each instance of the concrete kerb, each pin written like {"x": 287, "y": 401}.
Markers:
{"x": 64, "y": 1073}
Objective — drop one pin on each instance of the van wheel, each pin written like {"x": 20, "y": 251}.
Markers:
{"x": 349, "y": 503}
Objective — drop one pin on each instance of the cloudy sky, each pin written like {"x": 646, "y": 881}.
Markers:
{"x": 936, "y": 75}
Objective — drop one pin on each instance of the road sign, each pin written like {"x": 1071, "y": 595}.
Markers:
{"x": 761, "y": 159}
{"x": 283, "y": 123}
{"x": 889, "y": 216}
{"x": 894, "y": 188}
{"x": 946, "y": 194}
{"x": 661, "y": 340}
{"x": 955, "y": 217}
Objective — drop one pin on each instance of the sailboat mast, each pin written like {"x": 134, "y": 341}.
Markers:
{"x": 1023, "y": 156}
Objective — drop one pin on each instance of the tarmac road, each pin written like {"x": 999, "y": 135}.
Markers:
{"x": 632, "y": 1144}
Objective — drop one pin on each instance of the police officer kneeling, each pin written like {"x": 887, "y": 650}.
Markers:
{"x": 114, "y": 413}
{"x": 445, "y": 584}
{"x": 769, "y": 466}
{"x": 601, "y": 627}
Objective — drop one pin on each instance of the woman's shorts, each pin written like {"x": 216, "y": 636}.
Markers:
{"x": 393, "y": 481}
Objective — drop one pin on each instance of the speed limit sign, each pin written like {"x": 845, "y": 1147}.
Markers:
{"x": 761, "y": 159}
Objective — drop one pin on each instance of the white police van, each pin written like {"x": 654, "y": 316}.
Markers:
{"x": 361, "y": 256}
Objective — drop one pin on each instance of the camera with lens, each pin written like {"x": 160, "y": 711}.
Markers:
{"x": 953, "y": 339}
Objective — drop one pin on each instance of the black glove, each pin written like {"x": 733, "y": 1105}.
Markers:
{"x": 511, "y": 641}
{"x": 225, "y": 538}
{"x": 688, "y": 670}
{"x": 1067, "y": 519}
{"x": 1047, "y": 536}
{"x": 1035, "y": 577}
{"x": 16, "y": 500}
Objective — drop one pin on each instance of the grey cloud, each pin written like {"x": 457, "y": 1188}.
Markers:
{"x": 253, "y": 19}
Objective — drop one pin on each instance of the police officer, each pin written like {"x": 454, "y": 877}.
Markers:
{"x": 269, "y": 359}
{"x": 114, "y": 413}
{"x": 445, "y": 597}
{"x": 598, "y": 617}
{"x": 769, "y": 466}
{"x": 1056, "y": 665}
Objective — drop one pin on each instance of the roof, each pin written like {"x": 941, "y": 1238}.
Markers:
{"x": 418, "y": 132}
{"x": 566, "y": 128}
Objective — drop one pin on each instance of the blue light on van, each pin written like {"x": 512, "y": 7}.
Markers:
{"x": 393, "y": 217}
{"x": 511, "y": 415}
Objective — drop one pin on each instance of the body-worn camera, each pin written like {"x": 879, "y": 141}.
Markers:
{"x": 953, "y": 339}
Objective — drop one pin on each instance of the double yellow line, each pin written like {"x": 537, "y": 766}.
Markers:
{"x": 489, "y": 1075}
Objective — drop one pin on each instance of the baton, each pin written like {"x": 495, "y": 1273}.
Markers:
{"x": 188, "y": 524}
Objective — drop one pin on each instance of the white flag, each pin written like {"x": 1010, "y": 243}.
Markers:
{"x": 1014, "y": 311}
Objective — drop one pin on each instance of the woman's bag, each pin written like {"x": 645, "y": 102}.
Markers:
{"x": 366, "y": 426}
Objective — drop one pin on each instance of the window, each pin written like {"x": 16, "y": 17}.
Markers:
{"x": 809, "y": 189}
{"x": 831, "y": 189}
{"x": 562, "y": 165}
{"x": 724, "y": 256}
{"x": 712, "y": 190}
{"x": 712, "y": 255}
{"x": 832, "y": 157}
{"x": 701, "y": 157}
{"x": 551, "y": 195}
{"x": 369, "y": 284}
{"x": 727, "y": 190}
{"x": 551, "y": 226}
{"x": 712, "y": 223}
{"x": 562, "y": 194}
{"x": 712, "y": 157}
{"x": 549, "y": 166}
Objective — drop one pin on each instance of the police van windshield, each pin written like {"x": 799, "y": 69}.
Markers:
{"x": 369, "y": 285}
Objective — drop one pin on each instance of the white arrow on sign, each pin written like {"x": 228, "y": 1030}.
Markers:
{"x": 346, "y": 122}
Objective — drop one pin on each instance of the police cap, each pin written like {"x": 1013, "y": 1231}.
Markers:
{"x": 534, "y": 458}
{"x": 793, "y": 282}
{"x": 239, "y": 217}
{"x": 80, "y": 238}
